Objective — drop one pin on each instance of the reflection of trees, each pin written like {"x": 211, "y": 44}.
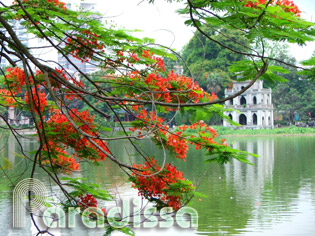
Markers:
{"x": 221, "y": 211}
{"x": 11, "y": 159}
{"x": 10, "y": 163}
{"x": 108, "y": 173}
{"x": 239, "y": 196}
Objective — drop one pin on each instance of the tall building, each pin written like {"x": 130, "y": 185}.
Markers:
{"x": 40, "y": 48}
{"x": 254, "y": 106}
{"x": 23, "y": 37}
{"x": 48, "y": 55}
{"x": 85, "y": 67}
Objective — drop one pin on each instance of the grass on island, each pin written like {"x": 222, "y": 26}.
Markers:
{"x": 276, "y": 131}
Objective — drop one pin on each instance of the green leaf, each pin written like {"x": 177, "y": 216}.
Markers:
{"x": 309, "y": 62}
{"x": 200, "y": 195}
{"x": 106, "y": 129}
{"x": 7, "y": 164}
{"x": 198, "y": 91}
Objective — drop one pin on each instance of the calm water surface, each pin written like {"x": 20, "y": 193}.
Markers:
{"x": 276, "y": 196}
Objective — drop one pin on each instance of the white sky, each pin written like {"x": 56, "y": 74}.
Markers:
{"x": 160, "y": 21}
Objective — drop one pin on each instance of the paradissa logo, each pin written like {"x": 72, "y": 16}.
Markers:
{"x": 93, "y": 217}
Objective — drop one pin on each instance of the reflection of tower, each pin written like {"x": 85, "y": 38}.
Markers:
{"x": 11, "y": 116}
{"x": 87, "y": 5}
{"x": 2, "y": 122}
{"x": 11, "y": 149}
{"x": 248, "y": 179}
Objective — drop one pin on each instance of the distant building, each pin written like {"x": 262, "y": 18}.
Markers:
{"x": 47, "y": 55}
{"x": 255, "y": 106}
{"x": 85, "y": 67}
{"x": 23, "y": 37}
{"x": 178, "y": 69}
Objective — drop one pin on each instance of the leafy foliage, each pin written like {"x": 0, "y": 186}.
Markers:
{"x": 69, "y": 112}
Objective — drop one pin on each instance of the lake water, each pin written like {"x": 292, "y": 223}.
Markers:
{"x": 276, "y": 196}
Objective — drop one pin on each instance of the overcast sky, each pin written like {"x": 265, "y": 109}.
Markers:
{"x": 157, "y": 20}
{"x": 160, "y": 21}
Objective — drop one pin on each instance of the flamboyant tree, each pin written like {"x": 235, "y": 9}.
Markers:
{"x": 63, "y": 103}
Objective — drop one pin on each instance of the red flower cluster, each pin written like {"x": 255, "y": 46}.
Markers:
{"x": 286, "y": 5}
{"x": 205, "y": 135}
{"x": 177, "y": 142}
{"x": 66, "y": 134}
{"x": 88, "y": 201}
{"x": 158, "y": 62}
{"x": 154, "y": 62}
{"x": 56, "y": 3}
{"x": 15, "y": 78}
{"x": 57, "y": 84}
{"x": 83, "y": 48}
{"x": 133, "y": 57}
{"x": 38, "y": 98}
{"x": 60, "y": 161}
{"x": 178, "y": 145}
{"x": 157, "y": 187}
{"x": 150, "y": 122}
{"x": 7, "y": 96}
{"x": 174, "y": 88}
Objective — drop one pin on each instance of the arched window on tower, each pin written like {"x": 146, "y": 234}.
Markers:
{"x": 263, "y": 121}
{"x": 231, "y": 101}
{"x": 254, "y": 119}
{"x": 231, "y": 117}
{"x": 243, "y": 120}
{"x": 243, "y": 100}
{"x": 254, "y": 100}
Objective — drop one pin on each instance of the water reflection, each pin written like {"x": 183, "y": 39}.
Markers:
{"x": 276, "y": 196}
{"x": 247, "y": 179}
{"x": 262, "y": 199}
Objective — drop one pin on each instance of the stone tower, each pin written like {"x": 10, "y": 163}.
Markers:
{"x": 255, "y": 106}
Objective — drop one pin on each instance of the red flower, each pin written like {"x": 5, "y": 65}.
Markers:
{"x": 38, "y": 98}
{"x": 15, "y": 78}
{"x": 83, "y": 48}
{"x": 178, "y": 144}
{"x": 7, "y": 96}
{"x": 286, "y": 5}
{"x": 65, "y": 135}
{"x": 157, "y": 187}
